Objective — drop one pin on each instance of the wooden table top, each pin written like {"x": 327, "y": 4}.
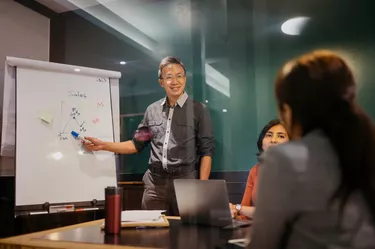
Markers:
{"x": 35, "y": 240}
{"x": 89, "y": 235}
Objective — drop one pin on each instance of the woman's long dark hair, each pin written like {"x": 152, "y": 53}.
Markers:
{"x": 320, "y": 88}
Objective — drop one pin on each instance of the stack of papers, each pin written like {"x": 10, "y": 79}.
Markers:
{"x": 143, "y": 218}
{"x": 137, "y": 216}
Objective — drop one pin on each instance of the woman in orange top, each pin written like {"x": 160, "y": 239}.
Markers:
{"x": 272, "y": 134}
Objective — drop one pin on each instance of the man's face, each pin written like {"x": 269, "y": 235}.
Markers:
{"x": 173, "y": 80}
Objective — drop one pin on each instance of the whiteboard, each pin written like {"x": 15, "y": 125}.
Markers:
{"x": 51, "y": 166}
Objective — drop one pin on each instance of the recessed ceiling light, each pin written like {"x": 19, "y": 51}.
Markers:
{"x": 295, "y": 25}
{"x": 77, "y": 69}
{"x": 206, "y": 101}
{"x": 225, "y": 110}
{"x": 122, "y": 62}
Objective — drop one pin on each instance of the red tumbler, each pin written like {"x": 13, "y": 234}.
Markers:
{"x": 113, "y": 208}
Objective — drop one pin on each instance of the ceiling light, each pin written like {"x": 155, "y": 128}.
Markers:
{"x": 77, "y": 70}
{"x": 225, "y": 110}
{"x": 294, "y": 26}
{"x": 122, "y": 62}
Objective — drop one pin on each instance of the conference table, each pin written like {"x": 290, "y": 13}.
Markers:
{"x": 89, "y": 235}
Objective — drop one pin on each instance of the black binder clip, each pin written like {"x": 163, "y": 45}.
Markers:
{"x": 94, "y": 202}
{"x": 46, "y": 206}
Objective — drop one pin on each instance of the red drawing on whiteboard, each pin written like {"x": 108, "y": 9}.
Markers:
{"x": 100, "y": 104}
{"x": 96, "y": 120}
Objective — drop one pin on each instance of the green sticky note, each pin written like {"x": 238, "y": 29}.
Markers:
{"x": 46, "y": 116}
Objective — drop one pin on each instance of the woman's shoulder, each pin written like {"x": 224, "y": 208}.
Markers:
{"x": 288, "y": 150}
{"x": 253, "y": 171}
{"x": 255, "y": 168}
{"x": 298, "y": 154}
{"x": 287, "y": 159}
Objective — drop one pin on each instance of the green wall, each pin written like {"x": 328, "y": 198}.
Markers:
{"x": 242, "y": 41}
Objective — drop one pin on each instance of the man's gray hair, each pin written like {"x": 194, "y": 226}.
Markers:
{"x": 167, "y": 61}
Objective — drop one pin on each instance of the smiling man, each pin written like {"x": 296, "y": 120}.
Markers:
{"x": 179, "y": 131}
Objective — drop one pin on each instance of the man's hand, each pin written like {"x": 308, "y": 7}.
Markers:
{"x": 94, "y": 144}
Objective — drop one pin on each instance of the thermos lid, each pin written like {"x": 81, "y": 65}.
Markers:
{"x": 112, "y": 190}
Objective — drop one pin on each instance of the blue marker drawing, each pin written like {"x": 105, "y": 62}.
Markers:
{"x": 74, "y": 117}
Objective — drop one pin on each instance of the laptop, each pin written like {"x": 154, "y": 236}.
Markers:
{"x": 205, "y": 203}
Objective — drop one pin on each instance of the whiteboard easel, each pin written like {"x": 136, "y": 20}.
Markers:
{"x": 29, "y": 70}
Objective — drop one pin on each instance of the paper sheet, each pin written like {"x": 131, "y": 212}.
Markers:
{"x": 240, "y": 242}
{"x": 142, "y": 215}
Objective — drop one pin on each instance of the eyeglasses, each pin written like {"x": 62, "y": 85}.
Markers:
{"x": 170, "y": 78}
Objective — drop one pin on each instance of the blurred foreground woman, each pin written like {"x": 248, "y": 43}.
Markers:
{"x": 318, "y": 191}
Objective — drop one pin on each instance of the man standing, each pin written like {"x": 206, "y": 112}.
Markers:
{"x": 181, "y": 138}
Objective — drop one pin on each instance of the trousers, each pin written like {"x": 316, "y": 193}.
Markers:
{"x": 159, "y": 191}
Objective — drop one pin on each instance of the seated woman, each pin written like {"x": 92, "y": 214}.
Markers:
{"x": 272, "y": 134}
{"x": 318, "y": 190}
